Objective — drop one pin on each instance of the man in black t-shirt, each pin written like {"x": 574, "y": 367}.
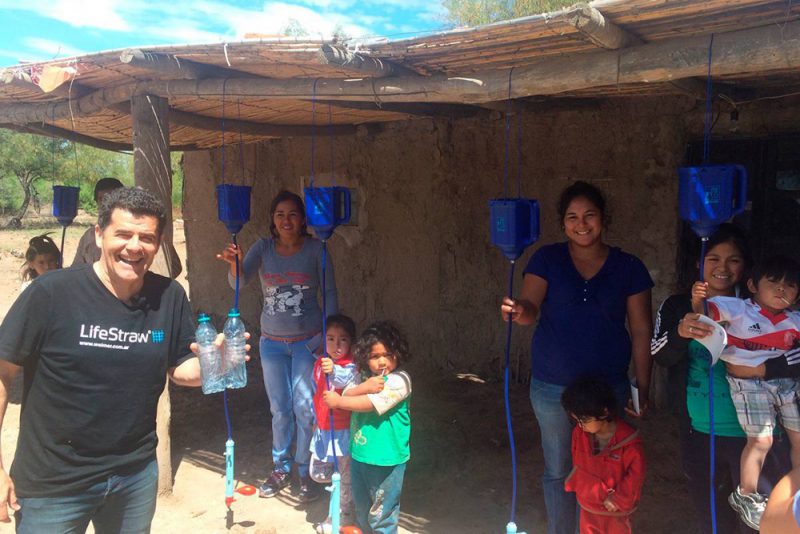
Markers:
{"x": 96, "y": 342}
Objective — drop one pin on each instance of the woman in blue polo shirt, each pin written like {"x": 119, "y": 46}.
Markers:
{"x": 583, "y": 292}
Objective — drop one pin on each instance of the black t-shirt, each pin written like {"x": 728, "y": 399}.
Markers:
{"x": 94, "y": 369}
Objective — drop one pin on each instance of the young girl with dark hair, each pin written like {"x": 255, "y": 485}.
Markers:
{"x": 381, "y": 426}
{"x": 42, "y": 256}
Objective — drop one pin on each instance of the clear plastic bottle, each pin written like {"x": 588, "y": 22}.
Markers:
{"x": 209, "y": 355}
{"x": 235, "y": 369}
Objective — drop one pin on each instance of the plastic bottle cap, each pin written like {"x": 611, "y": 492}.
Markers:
{"x": 234, "y": 312}
{"x": 203, "y": 318}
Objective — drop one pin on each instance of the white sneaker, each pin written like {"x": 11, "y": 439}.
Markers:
{"x": 750, "y": 507}
{"x": 326, "y": 527}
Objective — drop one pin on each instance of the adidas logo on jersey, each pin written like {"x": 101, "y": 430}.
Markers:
{"x": 754, "y": 328}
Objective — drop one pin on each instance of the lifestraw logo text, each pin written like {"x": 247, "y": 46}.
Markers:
{"x": 114, "y": 334}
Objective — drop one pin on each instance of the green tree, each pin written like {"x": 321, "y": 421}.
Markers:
{"x": 31, "y": 164}
{"x": 84, "y": 165}
{"x": 29, "y": 159}
{"x": 177, "y": 181}
{"x": 477, "y": 12}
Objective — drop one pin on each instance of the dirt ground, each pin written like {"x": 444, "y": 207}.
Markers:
{"x": 458, "y": 481}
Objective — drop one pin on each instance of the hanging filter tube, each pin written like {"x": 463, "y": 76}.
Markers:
{"x": 65, "y": 208}
{"x": 513, "y": 227}
{"x": 709, "y": 195}
{"x": 327, "y": 208}
{"x": 233, "y": 210}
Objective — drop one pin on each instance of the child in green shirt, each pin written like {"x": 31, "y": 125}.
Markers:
{"x": 380, "y": 426}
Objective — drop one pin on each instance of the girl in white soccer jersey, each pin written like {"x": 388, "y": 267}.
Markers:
{"x": 759, "y": 329}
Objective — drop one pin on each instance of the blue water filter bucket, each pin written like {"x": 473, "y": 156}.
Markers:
{"x": 233, "y": 206}
{"x": 327, "y": 208}
{"x": 709, "y": 195}
{"x": 514, "y": 225}
{"x": 65, "y": 203}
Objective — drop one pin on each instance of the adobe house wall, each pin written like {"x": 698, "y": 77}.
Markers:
{"x": 420, "y": 253}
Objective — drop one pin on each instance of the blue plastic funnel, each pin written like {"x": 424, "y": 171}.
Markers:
{"x": 327, "y": 208}
{"x": 514, "y": 225}
{"x": 233, "y": 205}
{"x": 65, "y": 203}
{"x": 709, "y": 195}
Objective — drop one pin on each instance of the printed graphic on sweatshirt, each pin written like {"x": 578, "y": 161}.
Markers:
{"x": 284, "y": 298}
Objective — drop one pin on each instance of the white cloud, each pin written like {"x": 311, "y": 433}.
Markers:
{"x": 276, "y": 16}
{"x": 78, "y": 13}
{"x": 204, "y": 21}
{"x": 48, "y": 49}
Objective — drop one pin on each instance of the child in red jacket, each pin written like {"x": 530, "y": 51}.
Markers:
{"x": 335, "y": 366}
{"x": 607, "y": 457}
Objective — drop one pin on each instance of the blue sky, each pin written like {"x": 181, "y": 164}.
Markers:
{"x": 35, "y": 30}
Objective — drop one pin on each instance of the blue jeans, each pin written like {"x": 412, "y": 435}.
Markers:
{"x": 119, "y": 504}
{"x": 288, "y": 378}
{"x": 555, "y": 429}
{"x": 376, "y": 494}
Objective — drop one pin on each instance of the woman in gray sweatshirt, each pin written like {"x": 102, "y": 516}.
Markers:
{"x": 289, "y": 267}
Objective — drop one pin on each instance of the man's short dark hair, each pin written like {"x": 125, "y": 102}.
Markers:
{"x": 106, "y": 184}
{"x": 134, "y": 200}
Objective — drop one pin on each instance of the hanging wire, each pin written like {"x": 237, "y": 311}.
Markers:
{"x": 330, "y": 134}
{"x": 708, "y": 124}
{"x": 519, "y": 150}
{"x": 709, "y": 113}
{"x": 227, "y": 415}
{"x": 507, "y": 366}
{"x": 507, "y": 136}
{"x": 313, "y": 125}
{"x": 241, "y": 140}
{"x": 325, "y": 345}
{"x": 224, "y": 82}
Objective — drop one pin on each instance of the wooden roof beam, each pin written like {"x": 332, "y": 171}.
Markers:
{"x": 455, "y": 111}
{"x": 212, "y": 124}
{"x": 61, "y": 133}
{"x": 743, "y": 52}
{"x": 595, "y": 27}
{"x": 234, "y": 126}
{"x": 373, "y": 67}
{"x": 174, "y": 67}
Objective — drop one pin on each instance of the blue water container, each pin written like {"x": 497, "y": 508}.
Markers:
{"x": 327, "y": 208}
{"x": 233, "y": 206}
{"x": 514, "y": 224}
{"x": 709, "y": 195}
{"x": 65, "y": 203}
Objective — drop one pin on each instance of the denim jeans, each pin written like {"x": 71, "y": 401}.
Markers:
{"x": 287, "y": 369}
{"x": 376, "y": 494}
{"x": 119, "y": 504}
{"x": 555, "y": 429}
